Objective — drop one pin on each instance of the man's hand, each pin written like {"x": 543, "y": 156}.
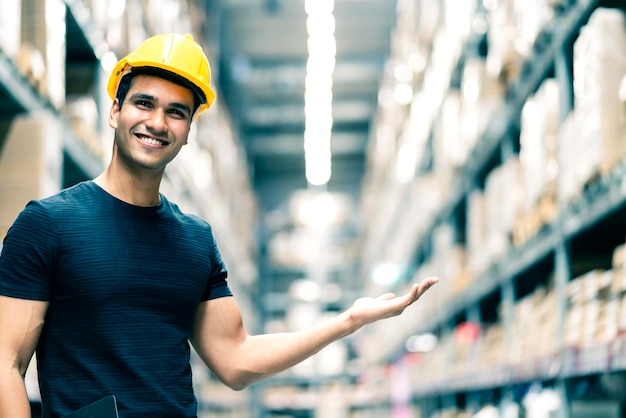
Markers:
{"x": 367, "y": 310}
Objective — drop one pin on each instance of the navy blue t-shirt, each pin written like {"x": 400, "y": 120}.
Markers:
{"x": 123, "y": 284}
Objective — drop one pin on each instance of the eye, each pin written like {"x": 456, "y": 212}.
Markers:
{"x": 178, "y": 114}
{"x": 143, "y": 103}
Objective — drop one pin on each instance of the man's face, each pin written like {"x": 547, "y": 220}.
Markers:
{"x": 153, "y": 124}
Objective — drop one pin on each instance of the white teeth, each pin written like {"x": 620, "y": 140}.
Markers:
{"x": 151, "y": 141}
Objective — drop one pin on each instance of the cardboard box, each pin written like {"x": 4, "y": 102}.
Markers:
{"x": 599, "y": 68}
{"x": 43, "y": 30}
{"x": 10, "y": 22}
{"x": 30, "y": 163}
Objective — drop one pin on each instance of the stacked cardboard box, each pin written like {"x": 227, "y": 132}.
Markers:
{"x": 599, "y": 68}
{"x": 82, "y": 113}
{"x": 588, "y": 316}
{"x": 30, "y": 164}
{"x": 449, "y": 258}
{"x": 492, "y": 346}
{"x": 503, "y": 199}
{"x": 521, "y": 344}
{"x": 451, "y": 149}
{"x": 464, "y": 116}
{"x": 538, "y": 156}
{"x": 477, "y": 224}
{"x": 534, "y": 326}
{"x": 514, "y": 28}
{"x": 10, "y": 22}
{"x": 617, "y": 307}
{"x": 43, "y": 34}
{"x": 568, "y": 159}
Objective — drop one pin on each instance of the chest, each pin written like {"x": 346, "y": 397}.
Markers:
{"x": 131, "y": 261}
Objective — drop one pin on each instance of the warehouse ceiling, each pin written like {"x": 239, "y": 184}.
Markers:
{"x": 263, "y": 60}
{"x": 263, "y": 56}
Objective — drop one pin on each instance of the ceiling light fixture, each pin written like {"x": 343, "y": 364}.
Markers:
{"x": 318, "y": 92}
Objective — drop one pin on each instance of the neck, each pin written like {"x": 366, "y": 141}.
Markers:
{"x": 137, "y": 190}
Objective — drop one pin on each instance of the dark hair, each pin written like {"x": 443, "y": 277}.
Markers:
{"x": 126, "y": 81}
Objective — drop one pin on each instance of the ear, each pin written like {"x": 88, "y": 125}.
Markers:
{"x": 114, "y": 113}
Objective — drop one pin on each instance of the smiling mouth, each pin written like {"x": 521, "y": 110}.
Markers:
{"x": 153, "y": 142}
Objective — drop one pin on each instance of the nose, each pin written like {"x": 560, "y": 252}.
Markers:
{"x": 157, "y": 122}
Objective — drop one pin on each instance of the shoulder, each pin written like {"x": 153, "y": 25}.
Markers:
{"x": 79, "y": 193}
{"x": 72, "y": 203}
{"x": 186, "y": 219}
{"x": 58, "y": 207}
{"x": 41, "y": 214}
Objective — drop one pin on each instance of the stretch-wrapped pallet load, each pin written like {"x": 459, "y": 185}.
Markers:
{"x": 503, "y": 194}
{"x": 423, "y": 196}
{"x": 597, "y": 290}
{"x": 548, "y": 319}
{"x": 477, "y": 224}
{"x": 503, "y": 59}
{"x": 492, "y": 345}
{"x": 450, "y": 148}
{"x": 568, "y": 159}
{"x": 82, "y": 113}
{"x": 514, "y": 28}
{"x": 574, "y": 317}
{"x": 534, "y": 324}
{"x": 449, "y": 257}
{"x": 590, "y": 316}
{"x": 464, "y": 116}
{"x": 539, "y": 160}
{"x": 599, "y": 68}
{"x": 482, "y": 94}
{"x": 10, "y": 23}
{"x": 531, "y": 17}
{"x": 43, "y": 45}
{"x": 538, "y": 144}
{"x": 618, "y": 287}
{"x": 618, "y": 266}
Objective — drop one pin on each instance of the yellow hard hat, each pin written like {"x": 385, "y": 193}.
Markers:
{"x": 178, "y": 54}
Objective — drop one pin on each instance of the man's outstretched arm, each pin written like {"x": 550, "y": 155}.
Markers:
{"x": 240, "y": 359}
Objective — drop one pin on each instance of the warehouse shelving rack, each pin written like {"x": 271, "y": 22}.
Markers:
{"x": 588, "y": 229}
{"x": 18, "y": 97}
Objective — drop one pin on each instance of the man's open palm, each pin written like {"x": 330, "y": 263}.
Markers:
{"x": 368, "y": 310}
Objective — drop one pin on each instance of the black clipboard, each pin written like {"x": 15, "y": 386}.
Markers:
{"x": 102, "y": 408}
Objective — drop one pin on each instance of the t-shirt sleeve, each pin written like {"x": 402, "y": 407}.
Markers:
{"x": 29, "y": 254}
{"x": 217, "y": 286}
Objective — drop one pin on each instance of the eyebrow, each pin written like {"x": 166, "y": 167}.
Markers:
{"x": 180, "y": 106}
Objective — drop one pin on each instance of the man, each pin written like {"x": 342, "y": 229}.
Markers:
{"x": 108, "y": 281}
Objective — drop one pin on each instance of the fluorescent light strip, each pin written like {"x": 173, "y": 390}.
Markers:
{"x": 318, "y": 94}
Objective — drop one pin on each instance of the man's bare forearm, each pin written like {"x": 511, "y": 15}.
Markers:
{"x": 14, "y": 401}
{"x": 240, "y": 359}
{"x": 262, "y": 356}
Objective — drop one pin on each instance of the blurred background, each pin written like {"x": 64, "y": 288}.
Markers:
{"x": 358, "y": 146}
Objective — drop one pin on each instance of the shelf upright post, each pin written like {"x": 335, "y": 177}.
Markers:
{"x": 507, "y": 297}
{"x": 473, "y": 396}
{"x": 427, "y": 406}
{"x": 448, "y": 400}
{"x": 562, "y": 276}
{"x": 507, "y": 150}
{"x": 564, "y": 74}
